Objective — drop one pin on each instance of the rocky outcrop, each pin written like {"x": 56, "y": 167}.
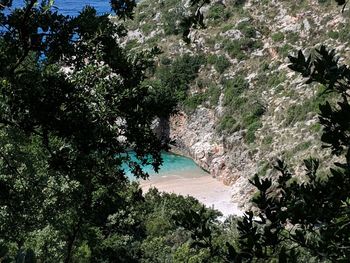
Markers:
{"x": 225, "y": 158}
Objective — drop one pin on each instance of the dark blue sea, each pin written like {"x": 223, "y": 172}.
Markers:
{"x": 73, "y": 7}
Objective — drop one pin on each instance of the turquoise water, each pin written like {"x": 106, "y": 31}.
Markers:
{"x": 173, "y": 165}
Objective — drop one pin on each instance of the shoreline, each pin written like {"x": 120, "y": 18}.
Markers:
{"x": 178, "y": 151}
{"x": 208, "y": 190}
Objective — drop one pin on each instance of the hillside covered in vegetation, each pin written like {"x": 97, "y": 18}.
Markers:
{"x": 240, "y": 106}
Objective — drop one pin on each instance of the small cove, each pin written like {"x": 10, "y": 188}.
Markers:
{"x": 182, "y": 176}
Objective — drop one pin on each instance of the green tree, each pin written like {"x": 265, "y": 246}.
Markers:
{"x": 72, "y": 104}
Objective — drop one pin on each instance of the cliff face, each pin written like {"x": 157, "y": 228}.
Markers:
{"x": 245, "y": 108}
{"x": 225, "y": 158}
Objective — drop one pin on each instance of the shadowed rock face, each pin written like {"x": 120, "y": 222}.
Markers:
{"x": 161, "y": 128}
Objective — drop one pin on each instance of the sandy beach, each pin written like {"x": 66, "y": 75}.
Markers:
{"x": 208, "y": 190}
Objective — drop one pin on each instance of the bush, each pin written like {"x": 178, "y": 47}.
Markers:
{"x": 300, "y": 112}
{"x": 221, "y": 63}
{"x": 247, "y": 29}
{"x": 249, "y": 45}
{"x": 218, "y": 13}
{"x": 233, "y": 47}
{"x": 227, "y": 27}
{"x": 277, "y": 37}
{"x": 267, "y": 140}
{"x": 214, "y": 93}
{"x": 147, "y": 28}
{"x": 192, "y": 102}
{"x": 284, "y": 50}
{"x": 344, "y": 32}
{"x": 165, "y": 61}
{"x": 233, "y": 88}
{"x": 237, "y": 48}
{"x": 275, "y": 79}
{"x": 179, "y": 74}
{"x": 228, "y": 124}
{"x": 250, "y": 135}
{"x": 131, "y": 44}
{"x": 238, "y": 3}
{"x": 170, "y": 23}
{"x": 292, "y": 37}
{"x": 254, "y": 115}
{"x": 247, "y": 114}
{"x": 333, "y": 34}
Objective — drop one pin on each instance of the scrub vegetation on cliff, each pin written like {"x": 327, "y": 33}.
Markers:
{"x": 243, "y": 84}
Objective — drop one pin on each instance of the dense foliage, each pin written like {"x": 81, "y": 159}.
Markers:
{"x": 72, "y": 103}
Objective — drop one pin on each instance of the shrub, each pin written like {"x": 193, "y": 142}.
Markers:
{"x": 147, "y": 28}
{"x": 264, "y": 66}
{"x": 238, "y": 2}
{"x": 227, "y": 124}
{"x": 214, "y": 93}
{"x": 165, "y": 61}
{"x": 170, "y": 23}
{"x": 192, "y": 102}
{"x": 299, "y": 112}
{"x": 250, "y": 44}
{"x": 211, "y": 59}
{"x": 237, "y": 48}
{"x": 179, "y": 74}
{"x": 275, "y": 79}
{"x": 233, "y": 88}
{"x": 257, "y": 110}
{"x": 267, "y": 140}
{"x": 277, "y": 37}
{"x": 344, "y": 32}
{"x": 250, "y": 134}
{"x": 218, "y": 13}
{"x": 227, "y": 27}
{"x": 221, "y": 63}
{"x": 284, "y": 50}
{"x": 247, "y": 29}
{"x": 292, "y": 37}
{"x": 333, "y": 34}
{"x": 233, "y": 48}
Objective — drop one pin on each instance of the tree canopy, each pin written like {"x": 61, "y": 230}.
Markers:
{"x": 72, "y": 104}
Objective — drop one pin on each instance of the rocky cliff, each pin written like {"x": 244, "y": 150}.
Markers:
{"x": 245, "y": 108}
